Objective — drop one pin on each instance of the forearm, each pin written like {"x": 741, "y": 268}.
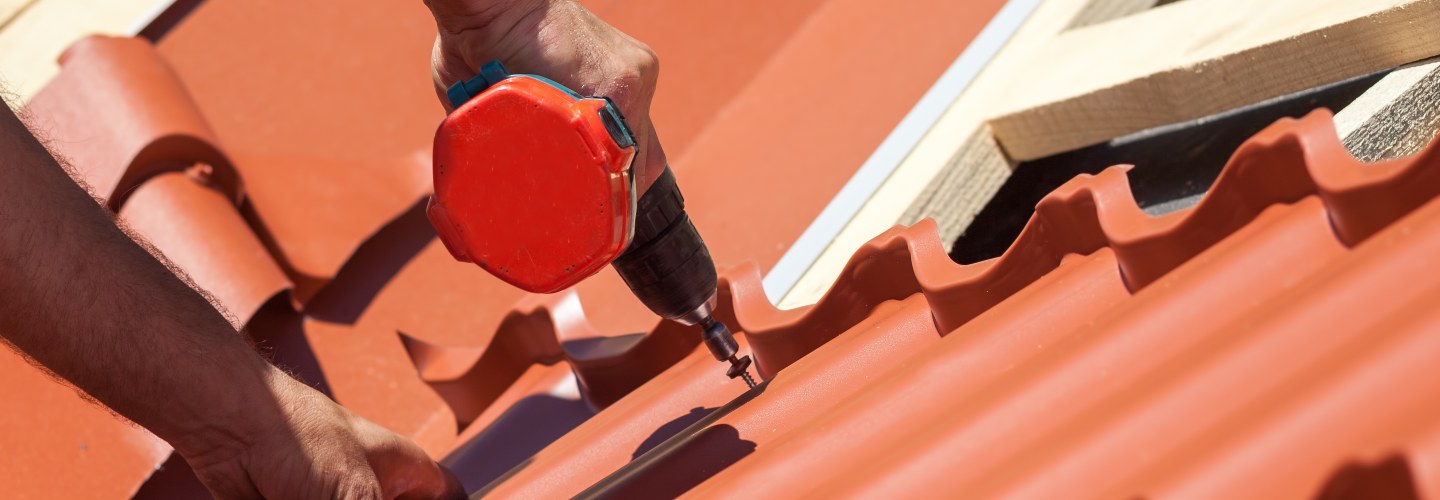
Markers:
{"x": 84, "y": 300}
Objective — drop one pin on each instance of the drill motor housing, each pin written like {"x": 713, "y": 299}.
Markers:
{"x": 533, "y": 183}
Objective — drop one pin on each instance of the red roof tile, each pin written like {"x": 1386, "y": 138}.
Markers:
{"x": 118, "y": 113}
{"x": 1217, "y": 342}
{"x": 1218, "y": 351}
{"x": 200, "y": 231}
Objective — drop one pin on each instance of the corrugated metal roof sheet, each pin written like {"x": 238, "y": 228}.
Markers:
{"x": 1277, "y": 339}
{"x": 283, "y": 174}
{"x": 1279, "y": 333}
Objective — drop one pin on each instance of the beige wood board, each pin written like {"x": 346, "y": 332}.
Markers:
{"x": 31, "y": 43}
{"x": 1195, "y": 58}
{"x": 1099, "y": 11}
{"x": 9, "y": 8}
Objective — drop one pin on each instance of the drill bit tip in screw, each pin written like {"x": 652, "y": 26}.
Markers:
{"x": 722, "y": 345}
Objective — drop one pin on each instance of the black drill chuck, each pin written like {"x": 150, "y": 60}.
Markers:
{"x": 669, "y": 269}
{"x": 667, "y": 264}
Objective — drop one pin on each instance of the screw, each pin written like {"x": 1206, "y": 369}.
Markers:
{"x": 741, "y": 368}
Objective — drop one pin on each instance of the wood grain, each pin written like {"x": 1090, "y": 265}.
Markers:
{"x": 1397, "y": 117}
{"x": 1198, "y": 57}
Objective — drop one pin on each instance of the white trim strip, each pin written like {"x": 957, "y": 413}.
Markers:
{"x": 150, "y": 16}
{"x": 847, "y": 202}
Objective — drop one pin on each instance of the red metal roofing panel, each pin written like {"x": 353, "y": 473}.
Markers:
{"x": 1219, "y": 342}
{"x": 784, "y": 122}
{"x": 200, "y": 232}
{"x": 709, "y": 50}
{"x": 1217, "y": 351}
{"x": 59, "y": 445}
{"x": 118, "y": 114}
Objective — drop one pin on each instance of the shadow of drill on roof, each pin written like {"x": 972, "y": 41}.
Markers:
{"x": 1387, "y": 479}
{"x": 677, "y": 469}
{"x": 670, "y": 429}
{"x": 691, "y": 449}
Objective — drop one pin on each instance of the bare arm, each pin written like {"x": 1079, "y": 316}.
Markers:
{"x": 84, "y": 300}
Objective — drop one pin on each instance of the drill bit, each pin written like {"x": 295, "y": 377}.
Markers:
{"x": 722, "y": 345}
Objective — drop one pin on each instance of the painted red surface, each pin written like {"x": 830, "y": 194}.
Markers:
{"x": 1276, "y": 340}
{"x": 307, "y": 152}
{"x": 1273, "y": 341}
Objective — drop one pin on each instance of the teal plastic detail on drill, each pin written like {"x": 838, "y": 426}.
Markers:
{"x": 493, "y": 72}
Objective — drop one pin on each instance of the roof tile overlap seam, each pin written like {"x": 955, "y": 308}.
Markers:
{"x": 105, "y": 81}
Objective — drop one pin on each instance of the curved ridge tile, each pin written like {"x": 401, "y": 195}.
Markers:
{"x": 1066, "y": 221}
{"x": 119, "y": 114}
{"x": 200, "y": 232}
{"x": 608, "y": 367}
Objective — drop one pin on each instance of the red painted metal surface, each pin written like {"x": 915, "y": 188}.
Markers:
{"x": 58, "y": 445}
{"x": 331, "y": 190}
{"x": 119, "y": 115}
{"x": 1218, "y": 341}
{"x": 1276, "y": 340}
{"x": 200, "y": 232}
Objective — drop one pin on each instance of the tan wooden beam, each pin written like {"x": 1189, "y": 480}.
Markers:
{"x": 1099, "y": 11}
{"x": 1195, "y": 58}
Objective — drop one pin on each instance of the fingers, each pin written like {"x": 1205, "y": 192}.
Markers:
{"x": 560, "y": 40}
{"x": 403, "y": 469}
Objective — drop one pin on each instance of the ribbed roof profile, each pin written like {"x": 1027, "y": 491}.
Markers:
{"x": 282, "y": 172}
{"x": 1277, "y": 340}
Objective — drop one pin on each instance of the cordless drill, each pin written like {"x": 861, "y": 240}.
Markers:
{"x": 533, "y": 183}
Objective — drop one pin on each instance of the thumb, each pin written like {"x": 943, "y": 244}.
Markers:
{"x": 405, "y": 471}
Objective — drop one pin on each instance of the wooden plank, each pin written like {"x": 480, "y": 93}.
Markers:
{"x": 892, "y": 151}
{"x": 31, "y": 43}
{"x": 10, "y": 8}
{"x": 1194, "y": 58}
{"x": 1397, "y": 117}
{"x": 1172, "y": 165}
{"x": 1099, "y": 11}
{"x": 982, "y": 162}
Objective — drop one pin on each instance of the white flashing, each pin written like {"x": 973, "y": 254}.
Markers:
{"x": 893, "y": 150}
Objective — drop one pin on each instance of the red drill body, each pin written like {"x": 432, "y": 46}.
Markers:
{"x": 533, "y": 183}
